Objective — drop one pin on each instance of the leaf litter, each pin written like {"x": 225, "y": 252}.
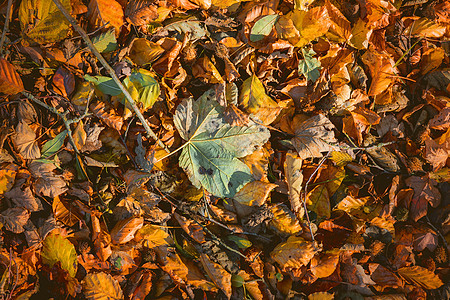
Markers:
{"x": 224, "y": 149}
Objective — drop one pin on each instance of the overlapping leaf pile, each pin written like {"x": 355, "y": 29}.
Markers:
{"x": 309, "y": 150}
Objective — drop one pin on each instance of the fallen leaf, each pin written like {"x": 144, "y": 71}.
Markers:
{"x": 324, "y": 264}
{"x": 421, "y": 277}
{"x": 25, "y": 141}
{"x": 294, "y": 179}
{"x": 101, "y": 286}
{"x": 14, "y": 219}
{"x": 107, "y": 13}
{"x": 125, "y": 229}
{"x": 254, "y": 193}
{"x": 47, "y": 183}
{"x": 313, "y": 136}
{"x": 294, "y": 253}
{"x": 220, "y": 277}
{"x": 58, "y": 249}
{"x": 10, "y": 81}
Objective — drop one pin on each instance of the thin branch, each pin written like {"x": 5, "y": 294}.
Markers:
{"x": 5, "y": 27}
{"x": 111, "y": 73}
{"x": 61, "y": 115}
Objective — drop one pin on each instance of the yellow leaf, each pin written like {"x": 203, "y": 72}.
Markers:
{"x": 224, "y": 3}
{"x": 318, "y": 201}
{"x": 311, "y": 24}
{"x": 321, "y": 296}
{"x": 82, "y": 93}
{"x": 10, "y": 81}
{"x": 220, "y": 277}
{"x": 421, "y": 276}
{"x": 286, "y": 29}
{"x": 251, "y": 286}
{"x": 144, "y": 52}
{"x": 58, "y": 249}
{"x": 325, "y": 264}
{"x": 340, "y": 159}
{"x": 254, "y": 100}
{"x": 7, "y": 177}
{"x": 294, "y": 179}
{"x": 101, "y": 286}
{"x": 42, "y": 21}
{"x": 153, "y": 236}
{"x": 294, "y": 253}
{"x": 349, "y": 203}
{"x": 254, "y": 193}
{"x": 340, "y": 27}
{"x": 284, "y": 220}
{"x": 107, "y": 13}
{"x": 258, "y": 162}
{"x": 361, "y": 33}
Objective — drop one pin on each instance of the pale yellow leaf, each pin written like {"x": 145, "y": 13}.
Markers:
{"x": 58, "y": 249}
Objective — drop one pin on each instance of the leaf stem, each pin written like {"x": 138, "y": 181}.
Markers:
{"x": 173, "y": 152}
{"x": 111, "y": 73}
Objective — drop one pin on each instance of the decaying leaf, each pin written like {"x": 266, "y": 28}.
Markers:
{"x": 106, "y": 12}
{"x": 220, "y": 277}
{"x": 294, "y": 179}
{"x": 313, "y": 136}
{"x": 254, "y": 193}
{"x": 125, "y": 229}
{"x": 25, "y": 141}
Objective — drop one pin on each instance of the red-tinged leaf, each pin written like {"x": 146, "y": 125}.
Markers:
{"x": 10, "y": 81}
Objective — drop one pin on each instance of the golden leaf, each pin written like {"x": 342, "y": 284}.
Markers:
{"x": 340, "y": 26}
{"x": 42, "y": 21}
{"x": 426, "y": 28}
{"x": 421, "y": 276}
{"x": 321, "y": 296}
{"x": 143, "y": 52}
{"x": 7, "y": 177}
{"x": 340, "y": 159}
{"x": 294, "y": 179}
{"x": 324, "y": 264}
{"x": 63, "y": 213}
{"x": 58, "y": 249}
{"x": 318, "y": 201}
{"x": 106, "y": 12}
{"x": 431, "y": 59}
{"x": 311, "y": 24}
{"x": 79, "y": 135}
{"x": 361, "y": 33}
{"x": 101, "y": 286}
{"x": 254, "y": 100}
{"x": 284, "y": 220}
{"x": 10, "y": 81}
{"x": 254, "y": 193}
{"x": 294, "y": 253}
{"x": 220, "y": 277}
{"x": 153, "y": 236}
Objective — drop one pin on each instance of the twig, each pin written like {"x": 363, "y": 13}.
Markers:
{"x": 5, "y": 27}
{"x": 112, "y": 73}
{"x": 61, "y": 115}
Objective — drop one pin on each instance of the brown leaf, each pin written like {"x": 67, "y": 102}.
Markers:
{"x": 47, "y": 183}
{"x": 441, "y": 121}
{"x": 424, "y": 192}
{"x": 384, "y": 277}
{"x": 421, "y": 277}
{"x": 381, "y": 69}
{"x": 101, "y": 238}
{"x": 220, "y": 277}
{"x": 14, "y": 219}
{"x": 294, "y": 179}
{"x": 108, "y": 116}
{"x": 65, "y": 212}
{"x": 125, "y": 229}
{"x": 25, "y": 141}
{"x": 141, "y": 12}
{"x": 194, "y": 230}
{"x": 22, "y": 196}
{"x": 10, "y": 81}
{"x": 313, "y": 136}
{"x": 63, "y": 82}
{"x": 254, "y": 193}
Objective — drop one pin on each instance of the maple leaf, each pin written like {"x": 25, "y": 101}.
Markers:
{"x": 210, "y": 156}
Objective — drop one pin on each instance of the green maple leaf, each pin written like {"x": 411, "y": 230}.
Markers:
{"x": 211, "y": 155}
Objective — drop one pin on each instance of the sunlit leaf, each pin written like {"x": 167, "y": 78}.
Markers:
{"x": 263, "y": 27}
{"x": 293, "y": 253}
{"x": 10, "y": 81}
{"x": 107, "y": 13}
{"x": 101, "y": 286}
{"x": 42, "y": 21}
{"x": 254, "y": 193}
{"x": 210, "y": 156}
{"x": 421, "y": 277}
{"x": 54, "y": 145}
{"x": 220, "y": 277}
{"x": 309, "y": 66}
{"x": 105, "y": 42}
{"x": 58, "y": 249}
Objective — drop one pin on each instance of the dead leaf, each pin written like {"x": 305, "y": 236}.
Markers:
{"x": 125, "y": 229}
{"x": 254, "y": 193}
{"x": 14, "y": 219}
{"x": 294, "y": 179}
{"x": 10, "y": 81}
{"x": 220, "y": 277}
{"x": 420, "y": 277}
{"x": 47, "y": 183}
{"x": 107, "y": 13}
{"x": 294, "y": 253}
{"x": 25, "y": 141}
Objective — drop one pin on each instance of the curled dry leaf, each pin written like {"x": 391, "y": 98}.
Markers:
{"x": 101, "y": 286}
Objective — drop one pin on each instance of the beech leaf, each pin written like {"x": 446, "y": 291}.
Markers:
{"x": 58, "y": 249}
{"x": 101, "y": 286}
{"x": 263, "y": 27}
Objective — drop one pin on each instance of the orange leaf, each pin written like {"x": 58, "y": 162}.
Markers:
{"x": 106, "y": 12}
{"x": 421, "y": 277}
{"x": 220, "y": 277}
{"x": 10, "y": 81}
{"x": 125, "y": 229}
